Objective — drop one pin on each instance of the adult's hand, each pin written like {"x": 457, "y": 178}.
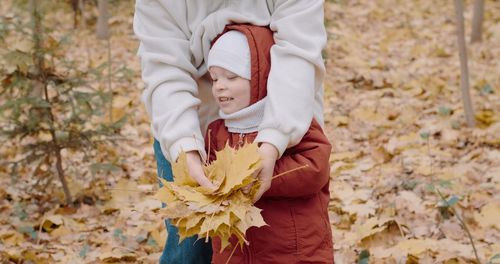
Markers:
{"x": 196, "y": 170}
{"x": 269, "y": 155}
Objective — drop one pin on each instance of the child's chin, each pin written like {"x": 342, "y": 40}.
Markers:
{"x": 229, "y": 110}
{"x": 225, "y": 109}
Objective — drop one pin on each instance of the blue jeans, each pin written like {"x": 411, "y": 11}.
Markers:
{"x": 190, "y": 250}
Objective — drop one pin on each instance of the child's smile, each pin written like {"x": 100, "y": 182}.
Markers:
{"x": 231, "y": 91}
{"x": 225, "y": 99}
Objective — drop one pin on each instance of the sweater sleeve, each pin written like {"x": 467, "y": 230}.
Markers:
{"x": 170, "y": 95}
{"x": 314, "y": 152}
{"x": 297, "y": 71}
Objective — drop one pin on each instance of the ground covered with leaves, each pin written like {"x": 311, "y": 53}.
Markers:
{"x": 406, "y": 171}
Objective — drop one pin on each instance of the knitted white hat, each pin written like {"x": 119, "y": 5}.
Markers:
{"x": 232, "y": 53}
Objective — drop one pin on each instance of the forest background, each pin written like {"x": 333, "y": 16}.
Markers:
{"x": 411, "y": 182}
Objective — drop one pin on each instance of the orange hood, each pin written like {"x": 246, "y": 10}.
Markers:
{"x": 260, "y": 40}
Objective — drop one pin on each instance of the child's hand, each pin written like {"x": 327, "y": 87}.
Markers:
{"x": 269, "y": 155}
{"x": 196, "y": 170}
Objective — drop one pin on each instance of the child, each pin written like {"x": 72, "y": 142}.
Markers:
{"x": 296, "y": 205}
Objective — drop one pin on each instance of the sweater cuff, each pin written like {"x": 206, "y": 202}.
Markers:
{"x": 187, "y": 144}
{"x": 275, "y": 137}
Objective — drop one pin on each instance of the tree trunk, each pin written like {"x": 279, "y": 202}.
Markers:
{"x": 38, "y": 59}
{"x": 103, "y": 33}
{"x": 60, "y": 174}
{"x": 41, "y": 83}
{"x": 477, "y": 21}
{"x": 464, "y": 68}
{"x": 110, "y": 88}
{"x": 75, "y": 5}
{"x": 83, "y": 23}
{"x": 102, "y": 20}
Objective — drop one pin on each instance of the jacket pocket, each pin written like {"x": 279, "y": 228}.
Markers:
{"x": 278, "y": 238}
{"x": 323, "y": 212}
{"x": 294, "y": 232}
{"x": 312, "y": 228}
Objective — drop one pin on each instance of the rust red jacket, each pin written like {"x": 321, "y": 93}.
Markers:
{"x": 296, "y": 206}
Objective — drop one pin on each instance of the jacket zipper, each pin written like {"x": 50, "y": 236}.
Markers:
{"x": 249, "y": 254}
{"x": 240, "y": 140}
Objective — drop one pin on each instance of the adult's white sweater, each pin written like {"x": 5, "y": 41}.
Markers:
{"x": 175, "y": 38}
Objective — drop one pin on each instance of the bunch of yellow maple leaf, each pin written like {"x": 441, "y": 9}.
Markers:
{"x": 228, "y": 210}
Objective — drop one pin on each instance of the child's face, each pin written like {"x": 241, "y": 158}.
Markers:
{"x": 231, "y": 91}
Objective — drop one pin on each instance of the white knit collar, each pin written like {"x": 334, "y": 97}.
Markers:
{"x": 246, "y": 120}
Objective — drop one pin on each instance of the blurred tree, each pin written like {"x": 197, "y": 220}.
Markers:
{"x": 47, "y": 110}
{"x": 102, "y": 28}
{"x": 464, "y": 67}
{"x": 477, "y": 21}
{"x": 76, "y": 5}
{"x": 103, "y": 33}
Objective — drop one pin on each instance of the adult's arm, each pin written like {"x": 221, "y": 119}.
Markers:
{"x": 171, "y": 92}
{"x": 297, "y": 70}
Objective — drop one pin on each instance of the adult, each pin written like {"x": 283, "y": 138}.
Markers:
{"x": 175, "y": 38}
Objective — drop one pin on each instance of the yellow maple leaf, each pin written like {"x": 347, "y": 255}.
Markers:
{"x": 223, "y": 213}
{"x": 489, "y": 215}
{"x": 194, "y": 220}
{"x": 165, "y": 195}
{"x": 189, "y": 194}
{"x": 236, "y": 166}
{"x": 240, "y": 205}
{"x": 176, "y": 210}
